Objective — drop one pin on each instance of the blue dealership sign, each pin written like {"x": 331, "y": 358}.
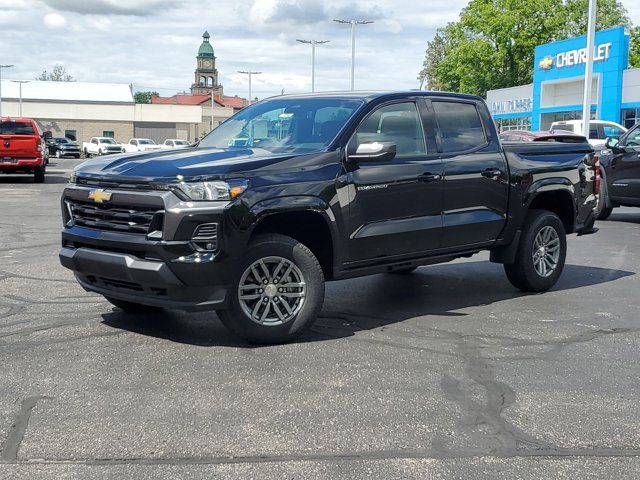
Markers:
{"x": 564, "y": 61}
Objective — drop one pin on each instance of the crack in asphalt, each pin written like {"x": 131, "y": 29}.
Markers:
{"x": 18, "y": 429}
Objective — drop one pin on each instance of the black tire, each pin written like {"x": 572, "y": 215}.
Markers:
{"x": 522, "y": 273}
{"x": 604, "y": 213}
{"x": 602, "y": 210}
{"x": 99, "y": 151}
{"x": 131, "y": 307}
{"x": 39, "y": 174}
{"x": 77, "y": 155}
{"x": 403, "y": 271}
{"x": 283, "y": 247}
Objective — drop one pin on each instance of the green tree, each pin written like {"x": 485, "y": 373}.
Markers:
{"x": 492, "y": 44}
{"x": 58, "y": 74}
{"x": 634, "y": 47}
{"x": 144, "y": 97}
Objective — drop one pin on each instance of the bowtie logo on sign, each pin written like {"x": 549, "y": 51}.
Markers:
{"x": 576, "y": 57}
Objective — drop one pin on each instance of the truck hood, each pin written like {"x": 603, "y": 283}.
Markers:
{"x": 192, "y": 163}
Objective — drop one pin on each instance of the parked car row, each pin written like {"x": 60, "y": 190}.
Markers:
{"x": 107, "y": 145}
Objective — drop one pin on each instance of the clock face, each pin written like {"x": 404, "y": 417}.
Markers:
{"x": 207, "y": 63}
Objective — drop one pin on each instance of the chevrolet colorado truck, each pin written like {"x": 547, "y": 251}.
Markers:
{"x": 23, "y": 148}
{"x": 321, "y": 187}
{"x": 620, "y": 160}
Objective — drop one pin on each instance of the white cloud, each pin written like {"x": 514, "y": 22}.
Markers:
{"x": 54, "y": 20}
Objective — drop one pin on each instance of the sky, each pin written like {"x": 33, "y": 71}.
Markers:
{"x": 152, "y": 44}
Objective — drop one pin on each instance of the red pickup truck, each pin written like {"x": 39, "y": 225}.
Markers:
{"x": 23, "y": 148}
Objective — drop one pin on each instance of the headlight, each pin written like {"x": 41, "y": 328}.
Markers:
{"x": 216, "y": 190}
{"x": 72, "y": 177}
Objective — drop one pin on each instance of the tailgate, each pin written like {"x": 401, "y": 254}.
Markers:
{"x": 18, "y": 146}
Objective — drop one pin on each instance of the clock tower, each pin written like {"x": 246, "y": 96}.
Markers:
{"x": 206, "y": 74}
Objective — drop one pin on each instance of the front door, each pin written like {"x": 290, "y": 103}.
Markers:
{"x": 475, "y": 176}
{"x": 624, "y": 184}
{"x": 396, "y": 205}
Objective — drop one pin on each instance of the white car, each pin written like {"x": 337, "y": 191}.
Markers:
{"x": 599, "y": 130}
{"x": 175, "y": 143}
{"x": 140, "y": 145}
{"x": 100, "y": 146}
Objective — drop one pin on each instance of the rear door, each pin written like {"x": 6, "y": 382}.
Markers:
{"x": 625, "y": 169}
{"x": 396, "y": 205}
{"x": 475, "y": 174}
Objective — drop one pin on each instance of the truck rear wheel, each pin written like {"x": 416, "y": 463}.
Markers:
{"x": 277, "y": 293}
{"x": 541, "y": 253}
{"x": 131, "y": 307}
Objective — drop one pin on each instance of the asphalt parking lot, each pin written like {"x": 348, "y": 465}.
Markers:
{"x": 446, "y": 373}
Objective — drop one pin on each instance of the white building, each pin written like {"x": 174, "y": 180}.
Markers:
{"x": 81, "y": 110}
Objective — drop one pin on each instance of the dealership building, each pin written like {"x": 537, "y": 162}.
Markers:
{"x": 556, "y": 93}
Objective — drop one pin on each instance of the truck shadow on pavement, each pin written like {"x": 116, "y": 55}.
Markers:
{"x": 51, "y": 178}
{"x": 627, "y": 217}
{"x": 369, "y": 303}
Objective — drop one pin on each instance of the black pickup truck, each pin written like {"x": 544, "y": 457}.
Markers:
{"x": 297, "y": 190}
{"x": 620, "y": 160}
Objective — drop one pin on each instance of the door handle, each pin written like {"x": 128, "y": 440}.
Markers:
{"x": 493, "y": 173}
{"x": 429, "y": 177}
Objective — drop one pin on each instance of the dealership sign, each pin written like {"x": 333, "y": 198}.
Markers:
{"x": 572, "y": 58}
{"x": 512, "y": 106}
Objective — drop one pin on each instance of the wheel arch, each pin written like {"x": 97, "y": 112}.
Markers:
{"x": 557, "y": 196}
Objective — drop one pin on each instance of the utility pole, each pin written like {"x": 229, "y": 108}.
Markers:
{"x": 1, "y": 67}
{"x": 313, "y": 44}
{"x": 250, "y": 74}
{"x": 353, "y": 24}
{"x": 20, "y": 83}
{"x": 588, "y": 70}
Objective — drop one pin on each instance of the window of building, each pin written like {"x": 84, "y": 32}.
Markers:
{"x": 71, "y": 135}
{"x": 398, "y": 123}
{"x": 460, "y": 126}
{"x": 515, "y": 123}
{"x": 108, "y": 134}
{"x": 546, "y": 119}
{"x": 630, "y": 116}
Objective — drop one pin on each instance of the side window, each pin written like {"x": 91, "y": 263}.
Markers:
{"x": 460, "y": 126}
{"x": 167, "y": 142}
{"x": 94, "y": 141}
{"x": 612, "y": 131}
{"x": 132, "y": 142}
{"x": 633, "y": 139}
{"x": 398, "y": 123}
{"x": 594, "y": 133}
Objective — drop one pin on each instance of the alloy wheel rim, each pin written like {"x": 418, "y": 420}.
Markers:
{"x": 272, "y": 290}
{"x": 546, "y": 251}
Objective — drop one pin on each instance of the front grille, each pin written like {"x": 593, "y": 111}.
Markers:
{"x": 117, "y": 218}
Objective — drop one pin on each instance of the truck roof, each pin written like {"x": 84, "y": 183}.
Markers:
{"x": 368, "y": 95}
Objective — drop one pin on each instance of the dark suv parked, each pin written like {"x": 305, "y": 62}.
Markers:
{"x": 63, "y": 147}
{"x": 296, "y": 190}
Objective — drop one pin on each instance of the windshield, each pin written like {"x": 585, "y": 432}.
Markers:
{"x": 62, "y": 140}
{"x": 109, "y": 141}
{"x": 284, "y": 125}
{"x": 144, "y": 141}
{"x": 181, "y": 142}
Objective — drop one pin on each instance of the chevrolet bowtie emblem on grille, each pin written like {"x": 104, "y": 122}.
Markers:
{"x": 546, "y": 63}
{"x": 99, "y": 195}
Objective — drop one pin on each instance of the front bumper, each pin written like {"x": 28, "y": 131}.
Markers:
{"x": 163, "y": 268}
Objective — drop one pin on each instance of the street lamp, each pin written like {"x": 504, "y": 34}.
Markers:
{"x": 20, "y": 82}
{"x": 588, "y": 69}
{"x": 353, "y": 24}
{"x": 313, "y": 44}
{"x": 250, "y": 74}
{"x": 1, "y": 67}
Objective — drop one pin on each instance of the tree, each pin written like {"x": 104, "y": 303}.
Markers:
{"x": 58, "y": 74}
{"x": 144, "y": 97}
{"x": 634, "y": 47}
{"x": 492, "y": 44}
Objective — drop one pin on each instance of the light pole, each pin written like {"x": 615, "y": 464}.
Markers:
{"x": 313, "y": 44}
{"x": 353, "y": 24}
{"x": 250, "y": 74}
{"x": 20, "y": 82}
{"x": 588, "y": 69}
{"x": 1, "y": 67}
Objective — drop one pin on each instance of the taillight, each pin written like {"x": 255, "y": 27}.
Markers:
{"x": 598, "y": 172}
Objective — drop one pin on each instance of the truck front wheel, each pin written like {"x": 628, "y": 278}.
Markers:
{"x": 277, "y": 293}
{"x": 541, "y": 253}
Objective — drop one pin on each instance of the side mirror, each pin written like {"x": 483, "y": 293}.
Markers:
{"x": 374, "y": 152}
{"x": 47, "y": 135}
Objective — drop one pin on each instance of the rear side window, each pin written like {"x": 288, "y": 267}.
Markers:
{"x": 460, "y": 126}
{"x": 16, "y": 128}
